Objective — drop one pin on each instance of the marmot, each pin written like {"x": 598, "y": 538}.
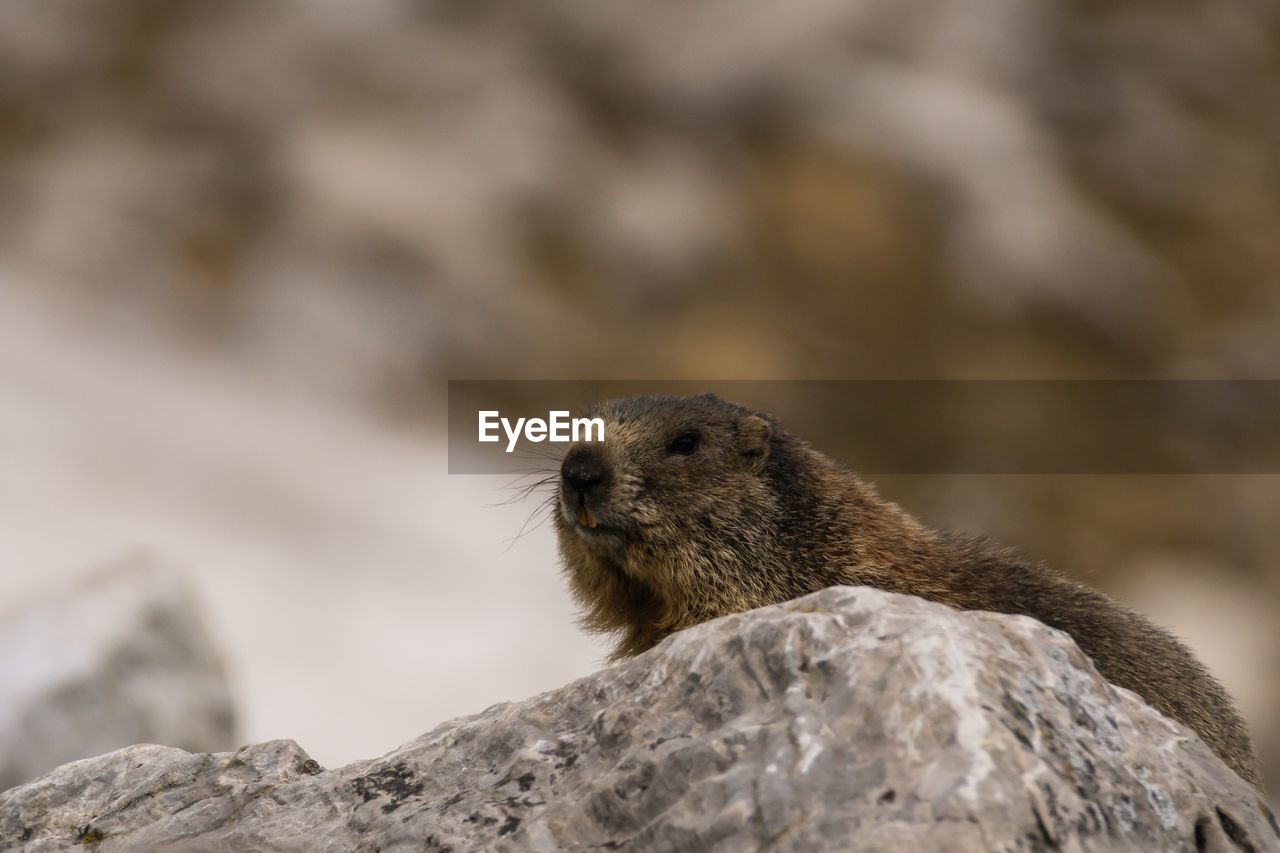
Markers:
{"x": 694, "y": 508}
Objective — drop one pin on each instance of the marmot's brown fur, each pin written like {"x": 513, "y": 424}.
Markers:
{"x": 694, "y": 508}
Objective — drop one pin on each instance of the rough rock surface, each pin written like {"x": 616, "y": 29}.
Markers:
{"x": 850, "y": 718}
{"x": 117, "y": 658}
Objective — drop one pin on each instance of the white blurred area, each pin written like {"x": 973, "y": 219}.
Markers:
{"x": 359, "y": 593}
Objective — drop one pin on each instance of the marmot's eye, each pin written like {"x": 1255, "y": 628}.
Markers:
{"x": 684, "y": 444}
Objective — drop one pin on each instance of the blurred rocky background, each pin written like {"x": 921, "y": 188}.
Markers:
{"x": 242, "y": 244}
{"x": 119, "y": 657}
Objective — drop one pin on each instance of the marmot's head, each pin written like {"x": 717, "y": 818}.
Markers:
{"x": 665, "y": 522}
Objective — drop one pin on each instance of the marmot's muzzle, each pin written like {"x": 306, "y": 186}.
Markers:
{"x": 584, "y": 477}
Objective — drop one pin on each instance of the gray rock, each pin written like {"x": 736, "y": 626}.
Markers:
{"x": 848, "y": 719}
{"x": 113, "y": 659}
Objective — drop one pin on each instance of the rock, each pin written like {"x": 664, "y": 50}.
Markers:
{"x": 117, "y": 658}
{"x": 847, "y": 718}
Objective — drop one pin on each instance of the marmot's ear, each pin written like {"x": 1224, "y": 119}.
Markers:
{"x": 752, "y": 435}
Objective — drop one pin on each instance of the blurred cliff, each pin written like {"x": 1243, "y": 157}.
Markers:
{"x": 117, "y": 658}
{"x": 242, "y": 243}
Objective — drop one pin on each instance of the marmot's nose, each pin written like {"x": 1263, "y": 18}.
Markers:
{"x": 583, "y": 470}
